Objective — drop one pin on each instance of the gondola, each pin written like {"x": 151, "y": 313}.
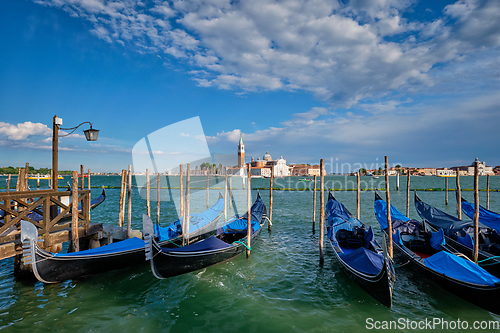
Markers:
{"x": 428, "y": 253}
{"x": 228, "y": 242}
{"x": 486, "y": 217}
{"x": 459, "y": 235}
{"x": 358, "y": 253}
{"x": 51, "y": 267}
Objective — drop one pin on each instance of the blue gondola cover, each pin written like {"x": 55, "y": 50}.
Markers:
{"x": 437, "y": 240}
{"x": 381, "y": 213}
{"x": 460, "y": 269}
{"x": 124, "y": 245}
{"x": 487, "y": 217}
{"x": 364, "y": 260}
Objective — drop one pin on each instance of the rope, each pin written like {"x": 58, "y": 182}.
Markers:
{"x": 458, "y": 254}
{"x": 270, "y": 223}
{"x": 170, "y": 241}
{"x": 248, "y": 248}
{"x": 490, "y": 258}
{"x": 401, "y": 265}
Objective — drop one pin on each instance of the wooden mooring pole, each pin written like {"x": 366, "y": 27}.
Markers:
{"x": 122, "y": 199}
{"x": 358, "y": 195}
{"x": 446, "y": 190}
{"x": 249, "y": 210}
{"x": 230, "y": 194}
{"x": 75, "y": 246}
{"x": 187, "y": 219}
{"x": 181, "y": 189}
{"x": 388, "y": 200}
{"x": 88, "y": 178}
{"x": 129, "y": 193}
{"x": 208, "y": 185}
{"x": 8, "y": 183}
{"x": 487, "y": 191}
{"x": 476, "y": 212}
{"x": 148, "y": 194}
{"x": 397, "y": 181}
{"x": 459, "y": 196}
{"x": 408, "y": 194}
{"x": 314, "y": 205}
{"x": 225, "y": 195}
{"x": 158, "y": 183}
{"x": 271, "y": 184}
{"x": 82, "y": 174}
{"x": 26, "y": 175}
{"x": 321, "y": 209}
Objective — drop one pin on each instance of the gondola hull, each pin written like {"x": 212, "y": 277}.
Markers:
{"x": 492, "y": 265}
{"x": 52, "y": 268}
{"x": 229, "y": 242}
{"x": 378, "y": 286}
{"x": 168, "y": 264}
{"x": 363, "y": 260}
{"x": 486, "y": 260}
{"x": 483, "y": 296}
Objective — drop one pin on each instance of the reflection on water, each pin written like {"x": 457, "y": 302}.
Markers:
{"x": 282, "y": 287}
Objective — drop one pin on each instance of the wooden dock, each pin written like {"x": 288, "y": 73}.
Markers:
{"x": 59, "y": 223}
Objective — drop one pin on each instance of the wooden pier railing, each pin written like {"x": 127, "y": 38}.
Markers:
{"x": 56, "y": 217}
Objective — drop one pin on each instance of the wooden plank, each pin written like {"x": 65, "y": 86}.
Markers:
{"x": 18, "y": 216}
{"x": 24, "y": 194}
{"x": 13, "y": 246}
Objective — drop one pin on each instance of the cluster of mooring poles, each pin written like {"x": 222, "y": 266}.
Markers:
{"x": 185, "y": 199}
{"x": 388, "y": 200}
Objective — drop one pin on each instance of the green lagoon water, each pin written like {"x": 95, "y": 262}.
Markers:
{"x": 281, "y": 288}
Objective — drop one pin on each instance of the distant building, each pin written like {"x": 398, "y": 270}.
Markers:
{"x": 468, "y": 170}
{"x": 426, "y": 171}
{"x": 262, "y": 168}
{"x": 445, "y": 172}
{"x": 241, "y": 153}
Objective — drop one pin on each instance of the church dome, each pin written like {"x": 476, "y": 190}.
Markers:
{"x": 267, "y": 157}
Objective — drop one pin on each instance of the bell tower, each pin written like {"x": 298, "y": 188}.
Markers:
{"x": 241, "y": 153}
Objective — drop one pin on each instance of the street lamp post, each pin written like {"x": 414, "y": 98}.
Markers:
{"x": 90, "y": 134}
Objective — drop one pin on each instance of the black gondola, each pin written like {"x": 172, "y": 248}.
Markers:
{"x": 55, "y": 267}
{"x": 486, "y": 216}
{"x": 459, "y": 234}
{"x": 228, "y": 242}
{"x": 358, "y": 253}
{"x": 428, "y": 253}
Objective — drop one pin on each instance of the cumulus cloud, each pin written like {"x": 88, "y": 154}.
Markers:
{"x": 24, "y": 130}
{"x": 341, "y": 52}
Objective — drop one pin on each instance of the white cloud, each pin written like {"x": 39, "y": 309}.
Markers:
{"x": 340, "y": 52}
{"x": 24, "y": 130}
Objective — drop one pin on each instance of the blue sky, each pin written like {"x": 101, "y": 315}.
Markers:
{"x": 349, "y": 82}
